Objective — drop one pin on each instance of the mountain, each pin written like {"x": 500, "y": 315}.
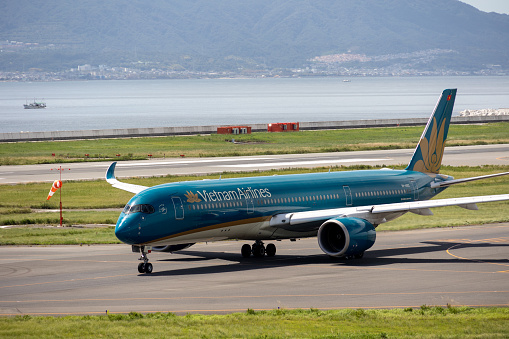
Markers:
{"x": 229, "y": 34}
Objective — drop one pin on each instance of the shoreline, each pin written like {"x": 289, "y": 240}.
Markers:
{"x": 212, "y": 129}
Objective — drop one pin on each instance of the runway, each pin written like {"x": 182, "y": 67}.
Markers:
{"x": 456, "y": 266}
{"x": 455, "y": 156}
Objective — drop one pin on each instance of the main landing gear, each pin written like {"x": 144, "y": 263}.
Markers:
{"x": 145, "y": 266}
{"x": 258, "y": 250}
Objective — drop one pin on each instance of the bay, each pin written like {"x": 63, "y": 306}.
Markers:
{"x": 85, "y": 105}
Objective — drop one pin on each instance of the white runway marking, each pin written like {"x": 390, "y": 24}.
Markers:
{"x": 309, "y": 162}
{"x": 181, "y": 162}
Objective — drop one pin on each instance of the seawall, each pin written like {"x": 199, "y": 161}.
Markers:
{"x": 194, "y": 130}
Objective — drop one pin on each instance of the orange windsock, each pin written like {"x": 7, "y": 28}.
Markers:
{"x": 56, "y": 185}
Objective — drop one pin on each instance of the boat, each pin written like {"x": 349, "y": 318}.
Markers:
{"x": 35, "y": 105}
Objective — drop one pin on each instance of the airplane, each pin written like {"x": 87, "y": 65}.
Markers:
{"x": 341, "y": 209}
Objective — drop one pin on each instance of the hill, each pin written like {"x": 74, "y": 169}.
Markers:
{"x": 231, "y": 34}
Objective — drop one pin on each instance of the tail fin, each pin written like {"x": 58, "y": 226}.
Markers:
{"x": 427, "y": 157}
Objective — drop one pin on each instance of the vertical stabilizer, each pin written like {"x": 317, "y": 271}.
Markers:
{"x": 427, "y": 157}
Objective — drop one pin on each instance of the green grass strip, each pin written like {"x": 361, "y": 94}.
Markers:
{"x": 58, "y": 236}
{"x": 261, "y": 143}
{"x": 423, "y": 322}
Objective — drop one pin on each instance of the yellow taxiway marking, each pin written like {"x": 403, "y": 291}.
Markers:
{"x": 468, "y": 241}
{"x": 257, "y": 296}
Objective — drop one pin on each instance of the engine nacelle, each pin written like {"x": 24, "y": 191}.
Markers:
{"x": 342, "y": 237}
{"x": 171, "y": 248}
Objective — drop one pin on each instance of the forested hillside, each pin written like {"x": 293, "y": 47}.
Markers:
{"x": 228, "y": 34}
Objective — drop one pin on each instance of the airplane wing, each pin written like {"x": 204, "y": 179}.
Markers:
{"x": 376, "y": 214}
{"x": 110, "y": 178}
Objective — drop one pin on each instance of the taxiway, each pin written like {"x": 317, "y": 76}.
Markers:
{"x": 456, "y": 266}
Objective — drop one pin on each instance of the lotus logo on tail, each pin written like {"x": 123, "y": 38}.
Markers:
{"x": 192, "y": 197}
{"x": 432, "y": 150}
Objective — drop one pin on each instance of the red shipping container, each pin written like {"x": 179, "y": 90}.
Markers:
{"x": 283, "y": 127}
{"x": 234, "y": 130}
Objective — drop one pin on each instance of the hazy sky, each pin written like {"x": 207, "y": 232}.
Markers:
{"x": 499, "y": 6}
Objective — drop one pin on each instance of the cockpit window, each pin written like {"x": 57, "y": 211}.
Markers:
{"x": 148, "y": 209}
{"x": 143, "y": 208}
{"x": 126, "y": 209}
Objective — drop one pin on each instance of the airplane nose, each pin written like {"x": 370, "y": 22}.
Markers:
{"x": 127, "y": 231}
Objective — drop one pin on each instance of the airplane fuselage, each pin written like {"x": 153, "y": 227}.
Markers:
{"x": 242, "y": 208}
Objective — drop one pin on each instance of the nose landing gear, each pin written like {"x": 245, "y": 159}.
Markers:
{"x": 145, "y": 266}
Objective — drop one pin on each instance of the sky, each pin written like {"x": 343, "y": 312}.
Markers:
{"x": 498, "y": 6}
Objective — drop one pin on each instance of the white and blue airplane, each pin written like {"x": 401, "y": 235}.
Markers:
{"x": 341, "y": 209}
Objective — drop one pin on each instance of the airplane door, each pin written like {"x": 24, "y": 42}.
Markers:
{"x": 250, "y": 205}
{"x": 415, "y": 190}
{"x": 348, "y": 195}
{"x": 179, "y": 208}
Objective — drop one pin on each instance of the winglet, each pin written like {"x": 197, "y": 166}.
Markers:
{"x": 110, "y": 173}
{"x": 110, "y": 178}
{"x": 427, "y": 157}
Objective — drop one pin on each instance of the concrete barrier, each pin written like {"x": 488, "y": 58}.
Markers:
{"x": 194, "y": 130}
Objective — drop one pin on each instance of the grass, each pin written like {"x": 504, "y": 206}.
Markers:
{"x": 96, "y": 202}
{"x": 58, "y": 236}
{"x": 22, "y": 153}
{"x": 423, "y": 322}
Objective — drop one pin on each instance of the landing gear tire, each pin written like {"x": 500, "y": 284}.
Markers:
{"x": 141, "y": 267}
{"x": 145, "y": 267}
{"x": 148, "y": 268}
{"x": 258, "y": 250}
{"x": 246, "y": 250}
{"x": 359, "y": 255}
{"x": 270, "y": 250}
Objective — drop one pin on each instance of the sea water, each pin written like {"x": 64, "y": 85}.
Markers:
{"x": 85, "y": 105}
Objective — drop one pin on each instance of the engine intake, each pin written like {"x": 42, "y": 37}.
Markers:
{"x": 342, "y": 237}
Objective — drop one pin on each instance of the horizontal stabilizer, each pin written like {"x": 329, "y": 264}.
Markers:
{"x": 460, "y": 181}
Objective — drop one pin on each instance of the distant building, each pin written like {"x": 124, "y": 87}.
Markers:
{"x": 85, "y": 68}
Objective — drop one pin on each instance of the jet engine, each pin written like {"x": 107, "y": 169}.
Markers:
{"x": 346, "y": 237}
{"x": 171, "y": 248}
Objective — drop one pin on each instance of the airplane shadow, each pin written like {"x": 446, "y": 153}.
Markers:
{"x": 236, "y": 263}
